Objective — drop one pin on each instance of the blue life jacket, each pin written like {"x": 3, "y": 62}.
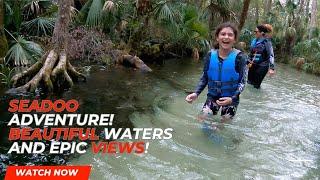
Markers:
{"x": 256, "y": 48}
{"x": 222, "y": 76}
{"x": 253, "y": 43}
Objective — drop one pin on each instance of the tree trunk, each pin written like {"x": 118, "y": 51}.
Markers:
{"x": 307, "y": 11}
{"x": 60, "y": 32}
{"x": 267, "y": 7}
{"x": 313, "y": 19}
{"x": 244, "y": 13}
{"x": 54, "y": 71}
{"x": 269, "y": 4}
{"x": 3, "y": 39}
{"x": 297, "y": 23}
{"x": 301, "y": 7}
{"x": 256, "y": 15}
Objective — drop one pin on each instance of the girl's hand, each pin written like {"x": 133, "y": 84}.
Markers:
{"x": 271, "y": 72}
{"x": 191, "y": 97}
{"x": 224, "y": 101}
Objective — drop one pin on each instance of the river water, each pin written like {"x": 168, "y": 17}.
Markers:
{"x": 274, "y": 135}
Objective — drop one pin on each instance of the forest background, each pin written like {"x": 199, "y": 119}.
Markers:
{"x": 109, "y": 32}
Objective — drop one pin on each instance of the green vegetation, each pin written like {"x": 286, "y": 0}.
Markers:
{"x": 156, "y": 29}
{"x": 309, "y": 49}
{"x": 23, "y": 52}
{"x": 5, "y": 75}
{"x": 295, "y": 32}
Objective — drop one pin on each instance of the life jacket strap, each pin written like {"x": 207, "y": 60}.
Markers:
{"x": 224, "y": 90}
{"x": 219, "y": 83}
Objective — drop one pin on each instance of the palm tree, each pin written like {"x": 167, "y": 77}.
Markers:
{"x": 184, "y": 24}
{"x": 96, "y": 12}
{"x": 22, "y": 19}
{"x": 219, "y": 12}
{"x": 54, "y": 66}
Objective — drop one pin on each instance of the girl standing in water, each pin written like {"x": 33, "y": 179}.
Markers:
{"x": 225, "y": 74}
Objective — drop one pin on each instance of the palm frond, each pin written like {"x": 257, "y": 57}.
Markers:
{"x": 108, "y": 6}
{"x": 164, "y": 12}
{"x": 24, "y": 52}
{"x": 201, "y": 28}
{"x": 73, "y": 13}
{"x": 204, "y": 45}
{"x": 220, "y": 10}
{"x": 6, "y": 73}
{"x": 16, "y": 18}
{"x": 40, "y": 26}
{"x": 190, "y": 13}
{"x": 190, "y": 31}
{"x": 192, "y": 23}
{"x": 85, "y": 8}
{"x": 32, "y": 7}
{"x": 51, "y": 11}
{"x": 94, "y": 14}
{"x": 8, "y": 8}
{"x": 36, "y": 7}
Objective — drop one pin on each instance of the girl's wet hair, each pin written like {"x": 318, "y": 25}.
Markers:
{"x": 226, "y": 25}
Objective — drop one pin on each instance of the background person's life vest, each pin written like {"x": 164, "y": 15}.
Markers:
{"x": 222, "y": 76}
{"x": 256, "y": 48}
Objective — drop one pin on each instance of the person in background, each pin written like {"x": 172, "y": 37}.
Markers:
{"x": 261, "y": 57}
{"x": 225, "y": 74}
{"x": 269, "y": 38}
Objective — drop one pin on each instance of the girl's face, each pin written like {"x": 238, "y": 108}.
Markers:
{"x": 226, "y": 38}
{"x": 257, "y": 33}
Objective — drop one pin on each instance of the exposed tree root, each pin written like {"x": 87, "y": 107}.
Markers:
{"x": 55, "y": 68}
{"x": 73, "y": 73}
{"x": 31, "y": 71}
{"x": 61, "y": 69}
{"x": 54, "y": 71}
